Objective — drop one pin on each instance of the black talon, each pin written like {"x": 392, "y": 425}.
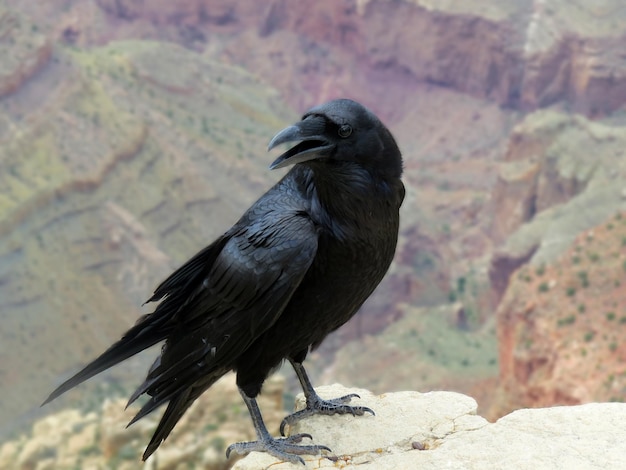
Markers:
{"x": 283, "y": 423}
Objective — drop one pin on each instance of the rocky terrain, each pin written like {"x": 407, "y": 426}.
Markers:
{"x": 100, "y": 439}
{"x": 561, "y": 217}
{"x": 561, "y": 325}
{"x": 410, "y": 430}
{"x": 103, "y": 192}
{"x": 134, "y": 132}
{"x": 442, "y": 430}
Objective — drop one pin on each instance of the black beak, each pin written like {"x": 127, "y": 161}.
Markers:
{"x": 310, "y": 133}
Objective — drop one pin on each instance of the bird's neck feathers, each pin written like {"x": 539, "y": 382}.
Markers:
{"x": 348, "y": 194}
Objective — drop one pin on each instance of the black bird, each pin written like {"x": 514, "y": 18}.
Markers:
{"x": 296, "y": 266}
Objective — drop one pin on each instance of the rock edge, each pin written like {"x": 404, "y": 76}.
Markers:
{"x": 442, "y": 430}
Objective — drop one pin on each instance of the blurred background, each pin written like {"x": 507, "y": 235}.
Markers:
{"x": 133, "y": 132}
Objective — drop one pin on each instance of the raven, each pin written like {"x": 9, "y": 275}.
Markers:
{"x": 296, "y": 266}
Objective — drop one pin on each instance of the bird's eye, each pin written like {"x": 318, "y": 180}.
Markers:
{"x": 344, "y": 131}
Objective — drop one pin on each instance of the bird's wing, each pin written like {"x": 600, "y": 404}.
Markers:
{"x": 248, "y": 285}
{"x": 233, "y": 290}
{"x": 246, "y": 290}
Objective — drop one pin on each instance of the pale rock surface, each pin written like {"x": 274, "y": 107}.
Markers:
{"x": 452, "y": 436}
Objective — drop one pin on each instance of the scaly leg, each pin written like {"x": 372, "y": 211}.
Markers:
{"x": 285, "y": 448}
{"x": 316, "y": 405}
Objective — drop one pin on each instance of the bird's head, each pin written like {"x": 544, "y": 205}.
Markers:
{"x": 340, "y": 130}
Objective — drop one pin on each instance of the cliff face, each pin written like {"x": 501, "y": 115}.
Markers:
{"x": 140, "y": 152}
{"x": 518, "y": 53}
{"x": 23, "y": 48}
{"x": 106, "y": 153}
{"x": 561, "y": 325}
{"x": 556, "y": 168}
{"x": 547, "y": 163}
{"x": 521, "y": 54}
{"x": 559, "y": 202}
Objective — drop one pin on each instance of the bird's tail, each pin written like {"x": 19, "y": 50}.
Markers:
{"x": 177, "y": 380}
{"x": 148, "y": 331}
{"x": 178, "y": 403}
{"x": 195, "y": 354}
{"x": 155, "y": 327}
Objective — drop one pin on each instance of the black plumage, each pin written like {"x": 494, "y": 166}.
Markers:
{"x": 296, "y": 266}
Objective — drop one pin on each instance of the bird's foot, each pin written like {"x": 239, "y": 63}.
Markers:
{"x": 317, "y": 406}
{"x": 285, "y": 449}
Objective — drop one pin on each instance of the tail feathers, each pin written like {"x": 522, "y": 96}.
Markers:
{"x": 180, "y": 399}
{"x": 139, "y": 337}
{"x": 148, "y": 382}
{"x": 143, "y": 388}
{"x": 160, "y": 373}
{"x": 177, "y": 289}
{"x": 175, "y": 410}
{"x": 170, "y": 383}
{"x": 152, "y": 405}
{"x": 161, "y": 392}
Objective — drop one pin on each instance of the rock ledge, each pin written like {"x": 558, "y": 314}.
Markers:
{"x": 441, "y": 430}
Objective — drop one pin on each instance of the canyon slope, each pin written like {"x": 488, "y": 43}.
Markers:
{"x": 134, "y": 132}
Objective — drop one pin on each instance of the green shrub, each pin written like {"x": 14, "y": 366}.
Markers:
{"x": 569, "y": 320}
{"x": 584, "y": 278}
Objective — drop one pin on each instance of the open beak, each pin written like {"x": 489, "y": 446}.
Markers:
{"x": 310, "y": 133}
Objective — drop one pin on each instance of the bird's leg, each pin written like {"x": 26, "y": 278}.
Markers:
{"x": 316, "y": 405}
{"x": 285, "y": 448}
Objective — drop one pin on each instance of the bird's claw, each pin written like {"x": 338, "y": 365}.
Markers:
{"x": 285, "y": 449}
{"x": 334, "y": 406}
